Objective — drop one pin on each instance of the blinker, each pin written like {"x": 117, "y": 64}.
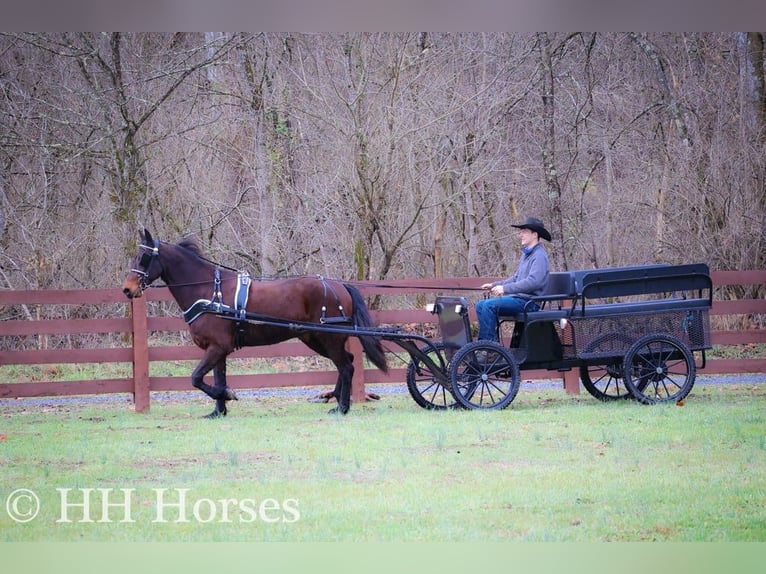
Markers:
{"x": 146, "y": 258}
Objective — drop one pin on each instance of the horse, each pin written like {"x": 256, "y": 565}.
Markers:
{"x": 192, "y": 279}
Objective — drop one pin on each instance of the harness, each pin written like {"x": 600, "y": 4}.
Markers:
{"x": 238, "y": 312}
{"x": 324, "y": 319}
{"x": 145, "y": 262}
{"x": 216, "y": 305}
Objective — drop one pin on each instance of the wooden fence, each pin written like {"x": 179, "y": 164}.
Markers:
{"x": 133, "y": 326}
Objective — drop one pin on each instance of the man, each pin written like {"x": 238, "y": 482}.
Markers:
{"x": 512, "y": 294}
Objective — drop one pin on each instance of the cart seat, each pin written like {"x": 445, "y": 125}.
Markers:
{"x": 555, "y": 302}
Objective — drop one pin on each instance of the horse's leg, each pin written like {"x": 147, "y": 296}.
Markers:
{"x": 220, "y": 392}
{"x": 344, "y": 384}
{"x": 219, "y": 374}
{"x": 326, "y": 396}
{"x": 342, "y": 392}
{"x": 334, "y": 348}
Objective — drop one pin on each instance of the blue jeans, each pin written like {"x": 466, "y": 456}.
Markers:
{"x": 488, "y": 310}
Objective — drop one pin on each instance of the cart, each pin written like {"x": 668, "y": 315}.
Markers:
{"x": 632, "y": 332}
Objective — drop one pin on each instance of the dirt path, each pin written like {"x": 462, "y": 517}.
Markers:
{"x": 310, "y": 392}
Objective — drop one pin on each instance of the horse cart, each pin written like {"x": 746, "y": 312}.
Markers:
{"x": 632, "y": 332}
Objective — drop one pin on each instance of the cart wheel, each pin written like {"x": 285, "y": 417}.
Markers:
{"x": 424, "y": 387}
{"x": 604, "y": 380}
{"x": 484, "y": 375}
{"x": 659, "y": 369}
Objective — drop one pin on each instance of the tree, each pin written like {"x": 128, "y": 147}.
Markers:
{"x": 379, "y": 155}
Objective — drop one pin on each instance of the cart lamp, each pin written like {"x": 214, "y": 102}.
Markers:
{"x": 563, "y": 323}
{"x": 431, "y": 307}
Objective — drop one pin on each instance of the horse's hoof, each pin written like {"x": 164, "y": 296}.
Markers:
{"x": 320, "y": 399}
{"x": 216, "y": 414}
{"x": 338, "y": 411}
{"x": 230, "y": 395}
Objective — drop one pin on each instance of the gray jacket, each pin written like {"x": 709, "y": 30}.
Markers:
{"x": 531, "y": 277}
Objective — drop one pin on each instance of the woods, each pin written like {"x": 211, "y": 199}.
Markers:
{"x": 372, "y": 156}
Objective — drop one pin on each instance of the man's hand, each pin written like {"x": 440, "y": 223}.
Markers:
{"x": 496, "y": 290}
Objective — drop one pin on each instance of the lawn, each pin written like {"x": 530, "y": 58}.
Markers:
{"x": 552, "y": 467}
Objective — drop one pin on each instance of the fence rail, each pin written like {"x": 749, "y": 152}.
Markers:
{"x": 134, "y": 326}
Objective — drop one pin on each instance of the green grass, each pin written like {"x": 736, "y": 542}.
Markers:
{"x": 87, "y": 371}
{"x": 552, "y": 467}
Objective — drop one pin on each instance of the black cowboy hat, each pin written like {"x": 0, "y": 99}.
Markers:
{"x": 535, "y": 225}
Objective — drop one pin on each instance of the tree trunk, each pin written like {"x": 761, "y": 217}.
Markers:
{"x": 552, "y": 185}
{"x": 754, "y": 89}
{"x": 669, "y": 98}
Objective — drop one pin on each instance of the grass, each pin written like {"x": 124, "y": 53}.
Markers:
{"x": 87, "y": 371}
{"x": 552, "y": 467}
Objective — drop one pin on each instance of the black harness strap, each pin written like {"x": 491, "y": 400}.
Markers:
{"x": 217, "y": 295}
{"x": 324, "y": 318}
{"x": 216, "y": 304}
{"x": 242, "y": 293}
{"x": 240, "y": 308}
{"x": 197, "y": 308}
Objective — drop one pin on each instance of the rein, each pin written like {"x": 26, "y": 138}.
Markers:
{"x": 428, "y": 287}
{"x": 355, "y": 283}
{"x": 154, "y": 251}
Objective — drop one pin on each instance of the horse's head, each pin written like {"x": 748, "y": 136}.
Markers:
{"x": 146, "y": 267}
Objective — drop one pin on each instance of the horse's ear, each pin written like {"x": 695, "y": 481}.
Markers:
{"x": 148, "y": 237}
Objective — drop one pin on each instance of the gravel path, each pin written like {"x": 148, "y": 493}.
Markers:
{"x": 309, "y": 392}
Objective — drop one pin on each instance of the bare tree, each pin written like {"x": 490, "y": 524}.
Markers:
{"x": 379, "y": 155}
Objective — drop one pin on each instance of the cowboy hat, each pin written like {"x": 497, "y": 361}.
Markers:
{"x": 535, "y": 225}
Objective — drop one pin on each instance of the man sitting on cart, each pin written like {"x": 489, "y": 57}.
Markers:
{"x": 512, "y": 295}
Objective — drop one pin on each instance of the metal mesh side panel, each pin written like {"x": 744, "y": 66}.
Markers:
{"x": 612, "y": 336}
{"x": 566, "y": 333}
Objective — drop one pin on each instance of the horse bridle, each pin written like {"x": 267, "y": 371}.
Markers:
{"x": 145, "y": 262}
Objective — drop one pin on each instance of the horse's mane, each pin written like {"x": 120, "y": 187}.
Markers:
{"x": 191, "y": 245}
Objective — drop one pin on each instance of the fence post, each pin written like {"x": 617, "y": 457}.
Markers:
{"x": 572, "y": 381}
{"x": 358, "y": 392}
{"x": 140, "y": 339}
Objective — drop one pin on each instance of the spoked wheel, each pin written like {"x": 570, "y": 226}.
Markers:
{"x": 604, "y": 381}
{"x": 484, "y": 375}
{"x": 424, "y": 386}
{"x": 659, "y": 369}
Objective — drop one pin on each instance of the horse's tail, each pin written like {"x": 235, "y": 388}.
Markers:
{"x": 361, "y": 316}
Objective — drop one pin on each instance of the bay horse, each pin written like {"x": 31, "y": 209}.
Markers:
{"x": 192, "y": 279}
